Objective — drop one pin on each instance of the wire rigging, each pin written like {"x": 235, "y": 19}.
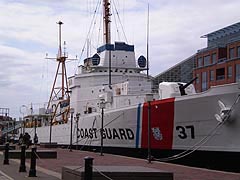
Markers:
{"x": 89, "y": 31}
{"x": 120, "y": 21}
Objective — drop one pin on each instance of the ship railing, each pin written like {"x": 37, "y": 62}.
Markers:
{"x": 12, "y": 128}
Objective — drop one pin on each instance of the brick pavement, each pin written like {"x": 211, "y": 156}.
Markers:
{"x": 76, "y": 158}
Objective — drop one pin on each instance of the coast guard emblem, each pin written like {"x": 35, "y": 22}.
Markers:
{"x": 157, "y": 134}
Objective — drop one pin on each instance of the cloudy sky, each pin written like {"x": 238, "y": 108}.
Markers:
{"x": 28, "y": 31}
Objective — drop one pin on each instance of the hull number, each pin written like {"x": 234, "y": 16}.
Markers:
{"x": 185, "y": 132}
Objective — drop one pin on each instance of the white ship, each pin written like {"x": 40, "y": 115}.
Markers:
{"x": 111, "y": 94}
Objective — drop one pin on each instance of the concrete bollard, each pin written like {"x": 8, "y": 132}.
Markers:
{"x": 88, "y": 168}
{"x": 22, "y": 167}
{"x": 32, "y": 171}
{"x": 6, "y": 155}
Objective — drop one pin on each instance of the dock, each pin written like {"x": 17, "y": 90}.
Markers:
{"x": 53, "y": 168}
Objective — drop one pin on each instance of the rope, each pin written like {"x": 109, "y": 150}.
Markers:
{"x": 72, "y": 171}
{"x": 193, "y": 148}
{"x": 204, "y": 140}
{"x": 102, "y": 173}
{"x": 38, "y": 156}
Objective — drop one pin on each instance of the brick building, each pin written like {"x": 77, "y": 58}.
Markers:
{"x": 219, "y": 62}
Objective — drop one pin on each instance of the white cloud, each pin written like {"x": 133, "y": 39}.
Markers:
{"x": 28, "y": 30}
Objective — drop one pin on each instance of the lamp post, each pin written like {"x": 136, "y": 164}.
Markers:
{"x": 102, "y": 106}
{"x": 50, "y": 130}
{"x": 149, "y": 98}
{"x": 14, "y": 124}
{"x": 35, "y": 139}
{"x": 71, "y": 112}
{"x": 77, "y": 120}
{"x": 51, "y": 121}
{"x": 22, "y": 112}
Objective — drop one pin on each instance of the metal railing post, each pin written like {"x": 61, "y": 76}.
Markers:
{"x": 6, "y": 154}
{"x": 88, "y": 168}
{"x": 22, "y": 167}
{"x": 32, "y": 171}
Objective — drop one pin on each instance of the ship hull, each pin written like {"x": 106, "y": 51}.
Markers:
{"x": 183, "y": 124}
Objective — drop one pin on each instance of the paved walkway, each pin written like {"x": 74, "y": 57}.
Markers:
{"x": 11, "y": 172}
{"x": 52, "y": 168}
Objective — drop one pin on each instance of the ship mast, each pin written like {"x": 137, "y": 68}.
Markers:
{"x": 60, "y": 94}
{"x": 107, "y": 33}
{"x": 107, "y": 21}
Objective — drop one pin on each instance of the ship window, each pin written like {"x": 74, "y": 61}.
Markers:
{"x": 212, "y": 75}
{"x": 100, "y": 71}
{"x": 92, "y": 91}
{"x": 130, "y": 71}
{"x": 120, "y": 70}
{"x": 116, "y": 70}
{"x": 105, "y": 70}
{"x": 113, "y": 55}
{"x": 229, "y": 71}
{"x": 231, "y": 53}
{"x": 126, "y": 56}
{"x": 220, "y": 74}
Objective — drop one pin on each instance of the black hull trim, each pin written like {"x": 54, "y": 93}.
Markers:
{"x": 215, "y": 160}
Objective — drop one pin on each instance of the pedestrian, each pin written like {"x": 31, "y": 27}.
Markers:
{"x": 27, "y": 140}
{"x": 20, "y": 139}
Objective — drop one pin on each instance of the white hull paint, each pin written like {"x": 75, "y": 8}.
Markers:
{"x": 194, "y": 125}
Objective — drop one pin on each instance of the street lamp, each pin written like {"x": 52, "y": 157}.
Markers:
{"x": 51, "y": 120}
{"x": 22, "y": 112}
{"x": 102, "y": 106}
{"x": 149, "y": 99}
{"x": 71, "y": 112}
{"x": 35, "y": 139}
{"x": 77, "y": 120}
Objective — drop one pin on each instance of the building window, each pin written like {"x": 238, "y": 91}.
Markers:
{"x": 204, "y": 81}
{"x": 212, "y": 75}
{"x": 214, "y": 58}
{"x": 231, "y": 53}
{"x": 206, "y": 60}
{"x": 197, "y": 80}
{"x": 229, "y": 71}
{"x": 237, "y": 72}
{"x": 220, "y": 74}
{"x": 200, "y": 62}
{"x": 238, "y": 51}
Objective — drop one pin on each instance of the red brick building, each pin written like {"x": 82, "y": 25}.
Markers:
{"x": 219, "y": 62}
